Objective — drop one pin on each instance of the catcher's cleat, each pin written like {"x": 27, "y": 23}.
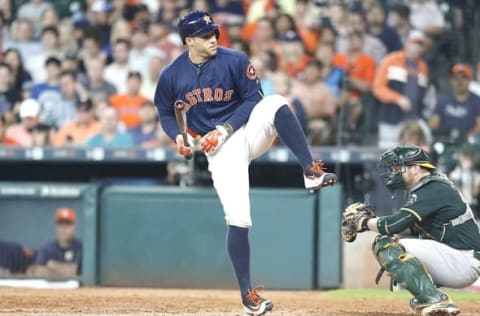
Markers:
{"x": 316, "y": 178}
{"x": 254, "y": 304}
{"x": 442, "y": 308}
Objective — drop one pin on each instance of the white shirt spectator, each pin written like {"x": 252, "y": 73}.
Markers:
{"x": 117, "y": 75}
{"x": 425, "y": 15}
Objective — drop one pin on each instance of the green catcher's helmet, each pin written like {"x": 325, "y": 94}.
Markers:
{"x": 392, "y": 164}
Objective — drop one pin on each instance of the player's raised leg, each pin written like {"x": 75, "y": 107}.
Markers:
{"x": 273, "y": 112}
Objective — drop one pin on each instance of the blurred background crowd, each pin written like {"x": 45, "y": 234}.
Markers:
{"x": 357, "y": 72}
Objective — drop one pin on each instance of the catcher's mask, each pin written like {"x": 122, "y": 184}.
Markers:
{"x": 392, "y": 164}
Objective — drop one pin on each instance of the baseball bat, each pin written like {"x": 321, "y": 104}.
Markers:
{"x": 181, "y": 117}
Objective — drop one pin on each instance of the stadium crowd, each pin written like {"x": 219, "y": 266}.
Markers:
{"x": 357, "y": 72}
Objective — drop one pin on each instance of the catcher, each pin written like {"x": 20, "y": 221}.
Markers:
{"x": 433, "y": 241}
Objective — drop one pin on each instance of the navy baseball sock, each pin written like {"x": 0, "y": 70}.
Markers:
{"x": 291, "y": 133}
{"x": 239, "y": 252}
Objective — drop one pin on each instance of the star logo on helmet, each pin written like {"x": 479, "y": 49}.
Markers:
{"x": 207, "y": 19}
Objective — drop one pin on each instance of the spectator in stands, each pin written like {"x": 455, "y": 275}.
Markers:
{"x": 117, "y": 72}
{"x": 49, "y": 18}
{"x": 142, "y": 15}
{"x": 399, "y": 19}
{"x": 400, "y": 84}
{"x": 308, "y": 22}
{"x": 70, "y": 62}
{"x": 377, "y": 27}
{"x": 333, "y": 76}
{"x": 415, "y": 133}
{"x": 21, "y": 134}
{"x": 33, "y": 11}
{"x": 149, "y": 133}
{"x": 141, "y": 51}
{"x": 50, "y": 48}
{"x": 22, "y": 79}
{"x": 67, "y": 42}
{"x": 168, "y": 13}
{"x": 371, "y": 45}
{"x": 339, "y": 21}
{"x": 127, "y": 104}
{"x": 427, "y": 16}
{"x": 100, "y": 20}
{"x": 77, "y": 132}
{"x": 263, "y": 40}
{"x": 328, "y": 36}
{"x": 22, "y": 38}
{"x": 14, "y": 258}
{"x": 282, "y": 84}
{"x": 91, "y": 48}
{"x": 155, "y": 65}
{"x": 6, "y": 11}
{"x": 458, "y": 112}
{"x": 98, "y": 88}
{"x": 466, "y": 175}
{"x": 161, "y": 37}
{"x": 42, "y": 135}
{"x": 8, "y": 96}
{"x": 292, "y": 57}
{"x": 121, "y": 30}
{"x": 61, "y": 112}
{"x": 260, "y": 62}
{"x": 320, "y": 107}
{"x": 283, "y": 24}
{"x": 62, "y": 257}
{"x": 109, "y": 135}
{"x": 48, "y": 93}
{"x": 359, "y": 74}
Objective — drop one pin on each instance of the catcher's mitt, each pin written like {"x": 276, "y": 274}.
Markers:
{"x": 354, "y": 220}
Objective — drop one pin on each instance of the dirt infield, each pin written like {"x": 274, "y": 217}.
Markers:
{"x": 116, "y": 301}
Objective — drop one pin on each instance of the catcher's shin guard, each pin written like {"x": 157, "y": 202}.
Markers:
{"x": 409, "y": 273}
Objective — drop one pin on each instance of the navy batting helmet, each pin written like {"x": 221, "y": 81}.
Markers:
{"x": 197, "y": 23}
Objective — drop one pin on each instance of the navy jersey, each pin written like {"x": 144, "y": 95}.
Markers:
{"x": 53, "y": 251}
{"x": 458, "y": 115}
{"x": 224, "y": 89}
{"x": 14, "y": 257}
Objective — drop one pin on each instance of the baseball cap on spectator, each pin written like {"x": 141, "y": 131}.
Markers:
{"x": 463, "y": 69}
{"x": 29, "y": 108}
{"x": 416, "y": 36}
{"x": 65, "y": 214}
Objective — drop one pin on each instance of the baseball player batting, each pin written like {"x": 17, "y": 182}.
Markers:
{"x": 442, "y": 247}
{"x": 235, "y": 124}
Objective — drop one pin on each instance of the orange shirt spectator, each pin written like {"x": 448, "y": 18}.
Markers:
{"x": 77, "y": 132}
{"x": 358, "y": 66}
{"x": 293, "y": 58}
{"x": 128, "y": 105}
{"x": 21, "y": 133}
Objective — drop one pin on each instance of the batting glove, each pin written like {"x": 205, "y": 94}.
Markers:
{"x": 214, "y": 139}
{"x": 181, "y": 148}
